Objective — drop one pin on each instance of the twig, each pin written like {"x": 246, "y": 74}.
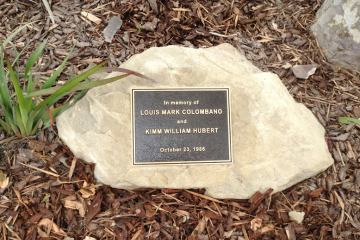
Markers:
{"x": 203, "y": 196}
{"x": 41, "y": 170}
{"x": 226, "y": 36}
{"x": 113, "y": 217}
{"x": 14, "y": 233}
{"x": 7, "y": 140}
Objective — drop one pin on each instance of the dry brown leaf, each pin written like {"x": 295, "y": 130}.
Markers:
{"x": 51, "y": 226}
{"x": 40, "y": 146}
{"x": 4, "y": 180}
{"x": 199, "y": 228}
{"x": 87, "y": 191}
{"x": 256, "y": 223}
{"x": 228, "y": 234}
{"x": 267, "y": 228}
{"x": 75, "y": 205}
{"x": 150, "y": 212}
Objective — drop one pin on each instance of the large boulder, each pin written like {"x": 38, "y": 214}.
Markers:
{"x": 276, "y": 142}
{"x": 337, "y": 29}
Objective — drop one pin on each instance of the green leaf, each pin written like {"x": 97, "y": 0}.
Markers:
{"x": 69, "y": 85}
{"x": 5, "y": 126}
{"x": 4, "y": 91}
{"x": 19, "y": 94}
{"x": 349, "y": 120}
{"x": 45, "y": 198}
{"x": 28, "y": 101}
{"x": 80, "y": 86}
{"x": 34, "y": 57}
{"x": 40, "y": 109}
{"x": 19, "y": 121}
{"x": 14, "y": 33}
{"x": 139, "y": 29}
{"x": 16, "y": 57}
{"x": 9, "y": 119}
{"x": 52, "y": 79}
{"x": 48, "y": 9}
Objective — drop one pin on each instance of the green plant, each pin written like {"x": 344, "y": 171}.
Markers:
{"x": 48, "y": 9}
{"x": 24, "y": 111}
{"x": 349, "y": 120}
{"x": 139, "y": 28}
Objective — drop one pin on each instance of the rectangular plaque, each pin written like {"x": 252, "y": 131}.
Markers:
{"x": 181, "y": 126}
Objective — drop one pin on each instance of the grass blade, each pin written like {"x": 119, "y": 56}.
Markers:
{"x": 52, "y": 79}
{"x": 28, "y": 101}
{"x": 14, "y": 33}
{"x": 349, "y": 120}
{"x": 19, "y": 121}
{"x": 5, "y": 126}
{"x": 20, "y": 96}
{"x": 67, "y": 86}
{"x": 123, "y": 70}
{"x": 9, "y": 119}
{"x": 38, "y": 111}
{"x": 34, "y": 57}
{"x": 80, "y": 86}
{"x": 48, "y": 9}
{"x": 4, "y": 91}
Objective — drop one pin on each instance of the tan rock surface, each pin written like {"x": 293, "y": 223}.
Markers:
{"x": 276, "y": 141}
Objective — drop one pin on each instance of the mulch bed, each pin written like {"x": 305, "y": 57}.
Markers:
{"x": 52, "y": 195}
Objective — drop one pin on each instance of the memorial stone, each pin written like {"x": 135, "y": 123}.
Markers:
{"x": 211, "y": 120}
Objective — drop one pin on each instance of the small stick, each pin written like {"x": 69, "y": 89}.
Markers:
{"x": 41, "y": 170}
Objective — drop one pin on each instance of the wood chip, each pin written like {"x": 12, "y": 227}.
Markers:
{"x": 91, "y": 17}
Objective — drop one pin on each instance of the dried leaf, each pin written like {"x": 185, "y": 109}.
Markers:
{"x": 256, "y": 224}
{"x": 87, "y": 191}
{"x": 4, "y": 180}
{"x": 51, "y": 225}
{"x": 94, "y": 208}
{"x": 267, "y": 228}
{"x": 75, "y": 205}
{"x": 316, "y": 193}
{"x": 40, "y": 146}
{"x": 199, "y": 229}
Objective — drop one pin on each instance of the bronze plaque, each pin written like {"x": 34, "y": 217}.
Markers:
{"x": 181, "y": 126}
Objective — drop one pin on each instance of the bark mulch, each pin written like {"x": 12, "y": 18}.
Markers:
{"x": 47, "y": 193}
